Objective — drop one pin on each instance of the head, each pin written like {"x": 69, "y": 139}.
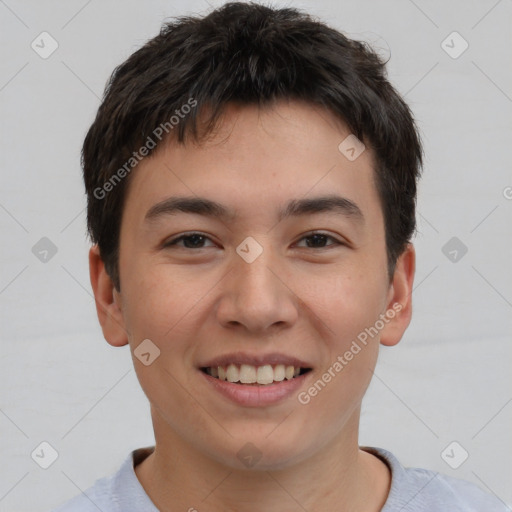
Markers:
{"x": 247, "y": 108}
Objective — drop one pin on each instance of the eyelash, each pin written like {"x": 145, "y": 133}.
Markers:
{"x": 174, "y": 241}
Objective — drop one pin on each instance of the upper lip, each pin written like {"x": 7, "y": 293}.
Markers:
{"x": 240, "y": 358}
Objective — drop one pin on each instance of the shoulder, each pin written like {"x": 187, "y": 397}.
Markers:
{"x": 98, "y": 496}
{"x": 441, "y": 491}
{"x": 120, "y": 492}
{"x": 423, "y": 490}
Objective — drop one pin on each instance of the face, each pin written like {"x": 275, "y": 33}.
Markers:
{"x": 277, "y": 259}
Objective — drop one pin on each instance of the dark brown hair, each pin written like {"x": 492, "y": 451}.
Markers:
{"x": 250, "y": 54}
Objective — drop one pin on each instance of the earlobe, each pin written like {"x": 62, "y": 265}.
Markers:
{"x": 399, "y": 305}
{"x": 107, "y": 301}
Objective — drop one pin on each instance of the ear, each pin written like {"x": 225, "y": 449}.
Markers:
{"x": 400, "y": 298}
{"x": 108, "y": 301}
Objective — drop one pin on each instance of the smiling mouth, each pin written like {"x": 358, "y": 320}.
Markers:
{"x": 247, "y": 374}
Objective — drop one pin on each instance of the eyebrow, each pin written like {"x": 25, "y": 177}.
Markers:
{"x": 294, "y": 208}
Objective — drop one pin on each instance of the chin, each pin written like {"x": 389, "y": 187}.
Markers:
{"x": 261, "y": 452}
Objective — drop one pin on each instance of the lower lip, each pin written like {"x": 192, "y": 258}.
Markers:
{"x": 258, "y": 395}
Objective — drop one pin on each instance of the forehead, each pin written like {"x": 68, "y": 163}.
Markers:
{"x": 258, "y": 159}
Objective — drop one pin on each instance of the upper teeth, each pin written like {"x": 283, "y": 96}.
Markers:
{"x": 248, "y": 374}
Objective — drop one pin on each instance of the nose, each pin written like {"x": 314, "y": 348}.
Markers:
{"x": 257, "y": 296}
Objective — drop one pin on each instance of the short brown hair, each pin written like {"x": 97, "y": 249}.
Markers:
{"x": 250, "y": 54}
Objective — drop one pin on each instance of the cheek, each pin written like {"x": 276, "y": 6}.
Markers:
{"x": 160, "y": 307}
{"x": 346, "y": 304}
{"x": 345, "y": 309}
{"x": 159, "y": 301}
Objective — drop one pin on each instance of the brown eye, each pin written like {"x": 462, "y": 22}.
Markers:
{"x": 190, "y": 241}
{"x": 318, "y": 241}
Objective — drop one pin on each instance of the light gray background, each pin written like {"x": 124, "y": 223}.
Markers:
{"x": 448, "y": 380}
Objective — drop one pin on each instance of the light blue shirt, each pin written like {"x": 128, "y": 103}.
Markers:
{"x": 412, "y": 490}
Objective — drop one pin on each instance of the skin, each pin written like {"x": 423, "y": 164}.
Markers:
{"x": 311, "y": 303}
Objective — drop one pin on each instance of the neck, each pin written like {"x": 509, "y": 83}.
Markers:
{"x": 340, "y": 476}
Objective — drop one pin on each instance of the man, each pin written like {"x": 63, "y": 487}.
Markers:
{"x": 251, "y": 179}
